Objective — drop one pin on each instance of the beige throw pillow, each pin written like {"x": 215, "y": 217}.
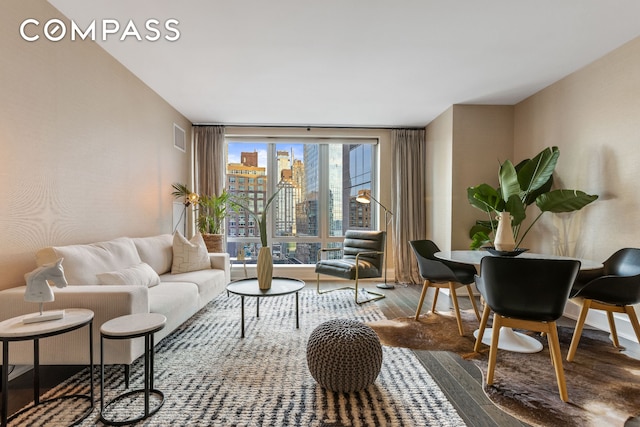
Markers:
{"x": 137, "y": 275}
{"x": 189, "y": 255}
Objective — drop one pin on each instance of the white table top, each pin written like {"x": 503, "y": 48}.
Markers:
{"x": 133, "y": 324}
{"x": 14, "y": 328}
{"x": 474, "y": 258}
{"x": 279, "y": 286}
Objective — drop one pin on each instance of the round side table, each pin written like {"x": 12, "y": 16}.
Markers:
{"x": 15, "y": 329}
{"x": 125, "y": 327}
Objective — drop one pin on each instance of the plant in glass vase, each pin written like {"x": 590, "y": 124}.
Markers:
{"x": 522, "y": 185}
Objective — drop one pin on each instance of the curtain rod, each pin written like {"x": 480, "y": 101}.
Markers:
{"x": 306, "y": 127}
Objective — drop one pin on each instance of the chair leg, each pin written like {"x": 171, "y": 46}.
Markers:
{"x": 435, "y": 300}
{"x": 612, "y": 327}
{"x": 328, "y": 290}
{"x": 473, "y": 302}
{"x": 493, "y": 351}
{"x": 631, "y": 312}
{"x": 577, "y": 333}
{"x": 425, "y": 287}
{"x": 483, "y": 324}
{"x": 376, "y": 297}
{"x": 456, "y": 308}
{"x": 556, "y": 358}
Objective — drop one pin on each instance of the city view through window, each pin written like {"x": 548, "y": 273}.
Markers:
{"x": 317, "y": 184}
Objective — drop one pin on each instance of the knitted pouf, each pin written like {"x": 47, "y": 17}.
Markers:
{"x": 344, "y": 355}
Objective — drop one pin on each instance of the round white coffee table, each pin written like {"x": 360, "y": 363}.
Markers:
{"x": 15, "y": 330}
{"x": 279, "y": 286}
{"x": 125, "y": 327}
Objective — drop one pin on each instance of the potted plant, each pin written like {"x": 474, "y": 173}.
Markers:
{"x": 211, "y": 213}
{"x": 265, "y": 260}
{"x": 522, "y": 185}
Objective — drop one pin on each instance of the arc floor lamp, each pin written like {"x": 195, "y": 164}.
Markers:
{"x": 364, "y": 196}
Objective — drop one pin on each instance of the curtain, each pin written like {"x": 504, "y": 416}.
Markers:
{"x": 409, "y": 195}
{"x": 209, "y": 158}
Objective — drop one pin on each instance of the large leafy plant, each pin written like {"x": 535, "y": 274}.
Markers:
{"x": 521, "y": 186}
{"x": 211, "y": 210}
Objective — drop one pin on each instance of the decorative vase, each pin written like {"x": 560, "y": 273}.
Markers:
{"x": 265, "y": 268}
{"x": 504, "y": 240}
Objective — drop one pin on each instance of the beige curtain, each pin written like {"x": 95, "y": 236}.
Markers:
{"x": 209, "y": 158}
{"x": 409, "y": 195}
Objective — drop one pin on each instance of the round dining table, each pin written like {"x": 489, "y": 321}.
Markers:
{"x": 510, "y": 340}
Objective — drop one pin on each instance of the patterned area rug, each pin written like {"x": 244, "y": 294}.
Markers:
{"x": 212, "y": 377}
{"x": 603, "y": 382}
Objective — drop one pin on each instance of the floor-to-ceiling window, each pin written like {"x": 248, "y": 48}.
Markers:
{"x": 317, "y": 181}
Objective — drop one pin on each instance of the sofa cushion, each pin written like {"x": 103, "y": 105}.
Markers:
{"x": 210, "y": 282}
{"x": 137, "y": 275}
{"x": 177, "y": 301}
{"x": 189, "y": 255}
{"x": 82, "y": 263}
{"x": 157, "y": 251}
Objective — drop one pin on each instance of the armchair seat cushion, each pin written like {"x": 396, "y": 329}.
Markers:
{"x": 346, "y": 268}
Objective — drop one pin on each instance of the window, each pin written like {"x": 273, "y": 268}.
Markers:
{"x": 317, "y": 183}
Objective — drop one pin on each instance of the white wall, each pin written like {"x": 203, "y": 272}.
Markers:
{"x": 86, "y": 148}
{"x": 593, "y": 116}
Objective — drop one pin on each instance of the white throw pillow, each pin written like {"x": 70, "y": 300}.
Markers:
{"x": 189, "y": 255}
{"x": 137, "y": 275}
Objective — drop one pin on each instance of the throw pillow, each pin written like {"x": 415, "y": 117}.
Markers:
{"x": 137, "y": 275}
{"x": 189, "y": 255}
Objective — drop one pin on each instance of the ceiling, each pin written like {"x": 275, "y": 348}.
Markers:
{"x": 356, "y": 63}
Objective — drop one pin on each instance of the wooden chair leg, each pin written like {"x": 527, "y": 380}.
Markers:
{"x": 493, "y": 351}
{"x": 483, "y": 324}
{"x": 631, "y": 312}
{"x": 435, "y": 300}
{"x": 612, "y": 327}
{"x": 473, "y": 302}
{"x": 456, "y": 308}
{"x": 578, "y": 330}
{"x": 556, "y": 357}
{"x": 425, "y": 286}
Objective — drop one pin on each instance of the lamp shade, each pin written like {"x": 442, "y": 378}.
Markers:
{"x": 364, "y": 196}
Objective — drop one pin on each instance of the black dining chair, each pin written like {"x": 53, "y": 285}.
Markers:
{"x": 442, "y": 274}
{"x": 614, "y": 289}
{"x": 526, "y": 293}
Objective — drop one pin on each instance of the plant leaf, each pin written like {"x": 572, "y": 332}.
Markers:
{"x": 485, "y": 198}
{"x": 516, "y": 208}
{"x": 508, "y": 177}
{"x": 536, "y": 172}
{"x": 564, "y": 200}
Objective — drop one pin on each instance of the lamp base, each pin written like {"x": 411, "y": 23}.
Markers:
{"x": 385, "y": 286}
{"x": 44, "y": 317}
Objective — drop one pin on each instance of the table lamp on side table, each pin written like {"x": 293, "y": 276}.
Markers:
{"x": 364, "y": 196}
{"x": 39, "y": 290}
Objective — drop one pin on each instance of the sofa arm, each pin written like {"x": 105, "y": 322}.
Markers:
{"x": 221, "y": 261}
{"x": 106, "y": 302}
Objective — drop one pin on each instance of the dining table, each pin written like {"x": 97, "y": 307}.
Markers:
{"x": 510, "y": 340}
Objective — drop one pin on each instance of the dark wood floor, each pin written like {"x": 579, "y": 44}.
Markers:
{"x": 459, "y": 379}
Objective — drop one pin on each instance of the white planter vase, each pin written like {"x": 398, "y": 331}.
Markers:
{"x": 265, "y": 268}
{"x": 504, "y": 240}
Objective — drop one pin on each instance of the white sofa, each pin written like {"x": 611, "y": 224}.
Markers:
{"x": 177, "y": 296}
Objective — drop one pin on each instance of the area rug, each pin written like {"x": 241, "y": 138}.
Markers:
{"x": 212, "y": 377}
{"x": 603, "y": 382}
